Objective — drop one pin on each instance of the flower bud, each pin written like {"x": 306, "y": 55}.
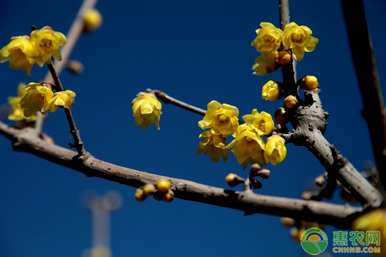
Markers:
{"x": 148, "y": 189}
{"x": 233, "y": 179}
{"x": 264, "y": 173}
{"x": 288, "y": 222}
{"x": 92, "y": 19}
{"x": 290, "y": 102}
{"x": 255, "y": 168}
{"x": 283, "y": 58}
{"x": 168, "y": 197}
{"x": 75, "y": 67}
{"x": 320, "y": 181}
{"x": 310, "y": 82}
{"x": 139, "y": 195}
{"x": 280, "y": 116}
{"x": 163, "y": 185}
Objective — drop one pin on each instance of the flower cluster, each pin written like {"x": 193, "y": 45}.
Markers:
{"x": 146, "y": 109}
{"x": 249, "y": 144}
{"x": 277, "y": 46}
{"x": 161, "y": 190}
{"x": 37, "y": 97}
{"x": 38, "y": 48}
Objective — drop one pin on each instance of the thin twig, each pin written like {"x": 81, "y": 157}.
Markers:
{"x": 366, "y": 70}
{"x": 170, "y": 100}
{"x": 27, "y": 141}
{"x": 78, "y": 143}
{"x": 72, "y": 37}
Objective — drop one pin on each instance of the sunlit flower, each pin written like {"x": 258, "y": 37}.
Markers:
{"x": 146, "y": 110}
{"x": 213, "y": 144}
{"x": 265, "y": 64}
{"x": 261, "y": 121}
{"x": 299, "y": 39}
{"x": 47, "y": 44}
{"x": 270, "y": 91}
{"x": 275, "y": 149}
{"x": 35, "y": 99}
{"x": 247, "y": 146}
{"x": 310, "y": 82}
{"x": 17, "y": 113}
{"x": 374, "y": 221}
{"x": 223, "y": 118}
{"x": 19, "y": 52}
{"x": 268, "y": 38}
{"x": 92, "y": 19}
{"x": 63, "y": 99}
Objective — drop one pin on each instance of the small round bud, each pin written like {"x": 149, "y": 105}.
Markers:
{"x": 168, "y": 197}
{"x": 139, "y": 195}
{"x": 280, "y": 116}
{"x": 320, "y": 181}
{"x": 310, "y": 82}
{"x": 296, "y": 233}
{"x": 163, "y": 185}
{"x": 92, "y": 19}
{"x": 255, "y": 168}
{"x": 290, "y": 102}
{"x": 75, "y": 67}
{"x": 148, "y": 189}
{"x": 233, "y": 180}
{"x": 264, "y": 173}
{"x": 283, "y": 58}
{"x": 307, "y": 195}
{"x": 288, "y": 222}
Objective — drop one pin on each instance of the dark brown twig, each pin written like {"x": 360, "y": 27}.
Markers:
{"x": 366, "y": 70}
{"x": 170, "y": 100}
{"x": 78, "y": 143}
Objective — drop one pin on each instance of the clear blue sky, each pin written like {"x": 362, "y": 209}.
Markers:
{"x": 194, "y": 50}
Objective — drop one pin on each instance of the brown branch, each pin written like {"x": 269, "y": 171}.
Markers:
{"x": 170, "y": 100}
{"x": 73, "y": 35}
{"x": 78, "y": 143}
{"x": 366, "y": 70}
{"x": 309, "y": 122}
{"x": 26, "y": 140}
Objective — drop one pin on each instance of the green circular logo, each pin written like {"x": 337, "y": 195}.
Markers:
{"x": 314, "y": 241}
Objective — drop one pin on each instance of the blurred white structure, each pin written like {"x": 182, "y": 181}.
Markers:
{"x": 101, "y": 208}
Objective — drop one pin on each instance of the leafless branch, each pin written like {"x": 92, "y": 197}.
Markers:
{"x": 170, "y": 100}
{"x": 26, "y": 140}
{"x": 366, "y": 70}
{"x": 309, "y": 121}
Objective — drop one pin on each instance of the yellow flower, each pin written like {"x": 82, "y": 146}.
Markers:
{"x": 92, "y": 19}
{"x": 270, "y": 91}
{"x": 35, "y": 99}
{"x": 374, "y": 220}
{"x": 213, "y": 144}
{"x": 61, "y": 99}
{"x": 19, "y": 52}
{"x": 146, "y": 110}
{"x": 310, "y": 82}
{"x": 17, "y": 113}
{"x": 247, "y": 146}
{"x": 265, "y": 64}
{"x": 261, "y": 121}
{"x": 223, "y": 118}
{"x": 275, "y": 150}
{"x": 47, "y": 44}
{"x": 299, "y": 39}
{"x": 268, "y": 38}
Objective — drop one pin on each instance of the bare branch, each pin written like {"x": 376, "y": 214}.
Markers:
{"x": 309, "y": 121}
{"x": 25, "y": 140}
{"x": 366, "y": 70}
{"x": 170, "y": 100}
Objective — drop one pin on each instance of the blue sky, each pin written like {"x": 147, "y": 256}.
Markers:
{"x": 196, "y": 51}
